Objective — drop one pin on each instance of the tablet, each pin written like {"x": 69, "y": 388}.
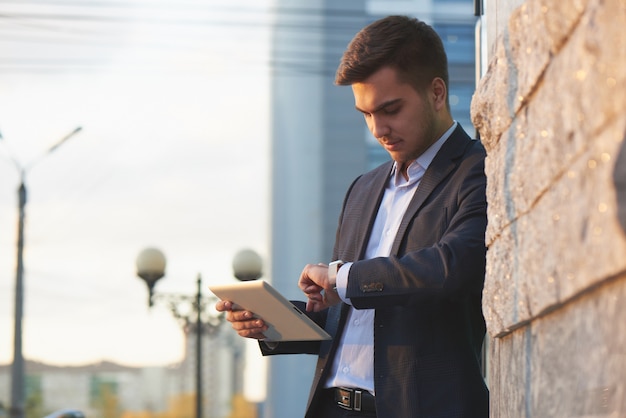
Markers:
{"x": 286, "y": 322}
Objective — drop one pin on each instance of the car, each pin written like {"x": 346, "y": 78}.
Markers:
{"x": 66, "y": 413}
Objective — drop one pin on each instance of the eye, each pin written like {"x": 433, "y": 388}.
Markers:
{"x": 391, "y": 110}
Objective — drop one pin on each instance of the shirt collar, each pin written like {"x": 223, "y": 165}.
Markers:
{"x": 420, "y": 165}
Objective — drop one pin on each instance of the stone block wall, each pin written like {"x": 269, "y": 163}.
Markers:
{"x": 551, "y": 112}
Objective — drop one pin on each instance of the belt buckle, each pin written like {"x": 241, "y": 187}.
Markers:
{"x": 349, "y": 399}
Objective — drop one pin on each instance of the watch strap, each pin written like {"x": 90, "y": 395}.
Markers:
{"x": 333, "y": 268}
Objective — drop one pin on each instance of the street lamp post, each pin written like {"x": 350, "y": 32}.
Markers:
{"x": 247, "y": 265}
{"x": 17, "y": 367}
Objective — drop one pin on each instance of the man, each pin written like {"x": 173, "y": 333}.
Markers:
{"x": 402, "y": 300}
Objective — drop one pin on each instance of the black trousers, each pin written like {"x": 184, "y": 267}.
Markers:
{"x": 328, "y": 408}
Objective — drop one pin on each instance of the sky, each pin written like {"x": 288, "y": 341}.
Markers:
{"x": 172, "y": 98}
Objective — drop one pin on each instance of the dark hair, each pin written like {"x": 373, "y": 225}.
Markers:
{"x": 405, "y": 43}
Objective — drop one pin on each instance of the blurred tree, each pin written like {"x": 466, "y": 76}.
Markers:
{"x": 110, "y": 403}
{"x": 33, "y": 404}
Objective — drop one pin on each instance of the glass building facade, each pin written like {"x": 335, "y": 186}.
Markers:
{"x": 320, "y": 143}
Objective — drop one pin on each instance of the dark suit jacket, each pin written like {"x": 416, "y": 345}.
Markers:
{"x": 428, "y": 327}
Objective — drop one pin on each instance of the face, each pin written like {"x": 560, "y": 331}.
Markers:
{"x": 403, "y": 121}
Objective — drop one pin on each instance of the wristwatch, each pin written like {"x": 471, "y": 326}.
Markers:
{"x": 333, "y": 268}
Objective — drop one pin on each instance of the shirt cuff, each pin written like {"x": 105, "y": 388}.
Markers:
{"x": 342, "y": 282}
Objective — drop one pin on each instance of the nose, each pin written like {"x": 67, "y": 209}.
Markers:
{"x": 378, "y": 126}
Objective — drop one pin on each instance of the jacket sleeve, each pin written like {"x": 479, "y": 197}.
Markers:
{"x": 295, "y": 347}
{"x": 442, "y": 252}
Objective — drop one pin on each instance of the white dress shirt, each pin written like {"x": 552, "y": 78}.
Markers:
{"x": 353, "y": 365}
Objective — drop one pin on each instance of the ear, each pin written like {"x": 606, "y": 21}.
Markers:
{"x": 439, "y": 93}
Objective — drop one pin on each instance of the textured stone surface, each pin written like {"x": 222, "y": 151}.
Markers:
{"x": 551, "y": 113}
{"x": 491, "y": 106}
{"x": 568, "y": 364}
{"x": 551, "y": 157}
{"x": 573, "y": 102}
{"x": 537, "y": 30}
{"x": 619, "y": 178}
{"x": 559, "y": 248}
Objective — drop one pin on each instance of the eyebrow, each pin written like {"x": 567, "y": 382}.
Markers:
{"x": 381, "y": 106}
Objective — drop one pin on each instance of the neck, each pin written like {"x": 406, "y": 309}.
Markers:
{"x": 403, "y": 168}
{"x": 444, "y": 124}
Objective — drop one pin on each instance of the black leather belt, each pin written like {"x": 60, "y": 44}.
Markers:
{"x": 354, "y": 399}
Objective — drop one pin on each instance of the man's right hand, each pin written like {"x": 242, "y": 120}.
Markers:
{"x": 244, "y": 322}
{"x": 316, "y": 285}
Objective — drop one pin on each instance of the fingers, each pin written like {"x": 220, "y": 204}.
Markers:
{"x": 305, "y": 280}
{"x": 331, "y": 297}
{"x": 250, "y": 328}
{"x": 314, "y": 274}
{"x": 241, "y": 316}
{"x": 315, "y": 305}
{"x": 311, "y": 289}
{"x": 314, "y": 296}
{"x": 233, "y": 313}
{"x": 244, "y": 322}
{"x": 223, "y": 306}
{"x": 310, "y": 277}
{"x": 316, "y": 286}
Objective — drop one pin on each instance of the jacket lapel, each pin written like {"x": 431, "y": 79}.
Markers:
{"x": 444, "y": 162}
